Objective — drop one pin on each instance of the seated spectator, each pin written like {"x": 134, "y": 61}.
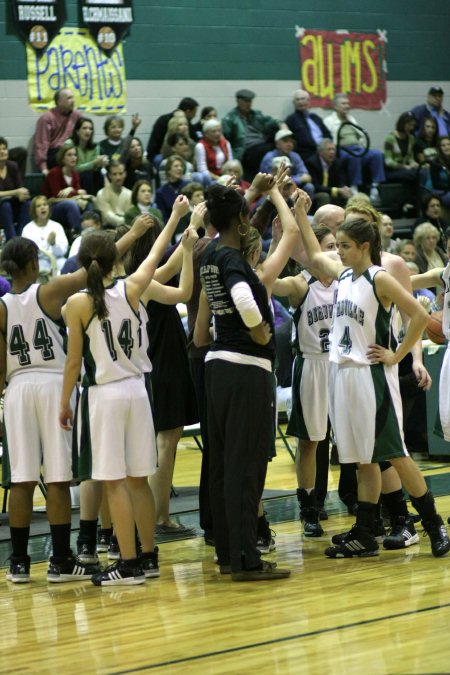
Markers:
{"x": 307, "y": 127}
{"x": 250, "y": 132}
{"x": 195, "y": 192}
{"x": 428, "y": 253}
{"x": 431, "y": 212}
{"x": 166, "y": 194}
{"x": 89, "y": 220}
{"x": 330, "y": 216}
{"x": 136, "y": 166}
{"x": 115, "y": 144}
{"x": 406, "y": 249}
{"x": 188, "y": 106}
{"x": 114, "y": 200}
{"x": 401, "y": 167}
{"x": 207, "y": 113}
{"x": 422, "y": 293}
{"x": 328, "y": 175}
{"x": 234, "y": 168}
{"x": 53, "y": 128}
{"x": 72, "y": 263}
{"x": 426, "y": 145}
{"x": 351, "y": 144}
{"x": 213, "y": 150}
{"x": 14, "y": 198}
{"x": 179, "y": 145}
{"x": 440, "y": 171}
{"x": 62, "y": 186}
{"x": 47, "y": 234}
{"x": 284, "y": 148}
{"x": 386, "y": 231}
{"x": 434, "y": 108}
{"x": 89, "y": 160}
{"x": 142, "y": 202}
{"x": 177, "y": 125}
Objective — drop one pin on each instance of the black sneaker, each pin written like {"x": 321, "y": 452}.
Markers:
{"x": 436, "y": 530}
{"x": 357, "y": 543}
{"x": 402, "y": 534}
{"x": 70, "y": 569}
{"x": 87, "y": 554}
{"x": 266, "y": 544}
{"x": 19, "y": 570}
{"x": 379, "y": 533}
{"x": 267, "y": 572}
{"x": 311, "y": 523}
{"x": 120, "y": 573}
{"x": 113, "y": 549}
{"x": 149, "y": 563}
{"x": 103, "y": 540}
{"x": 323, "y": 514}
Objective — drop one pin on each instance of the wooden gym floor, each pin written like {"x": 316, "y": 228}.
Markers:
{"x": 384, "y": 615}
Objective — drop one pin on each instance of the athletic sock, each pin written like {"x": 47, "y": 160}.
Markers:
{"x": 425, "y": 506}
{"x": 395, "y": 503}
{"x": 88, "y": 532}
{"x": 19, "y": 541}
{"x": 60, "y": 540}
{"x": 365, "y": 515}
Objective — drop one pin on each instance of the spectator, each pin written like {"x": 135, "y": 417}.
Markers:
{"x": 142, "y": 202}
{"x": 431, "y": 208}
{"x": 428, "y": 253}
{"x": 47, "y": 234}
{"x": 351, "y": 145}
{"x": 284, "y": 147}
{"x": 178, "y": 144}
{"x": 406, "y": 249}
{"x": 115, "y": 145}
{"x": 207, "y": 113}
{"x": 329, "y": 215}
{"x": 234, "y": 168}
{"x": 386, "y": 230}
{"x": 189, "y": 107}
{"x": 401, "y": 167}
{"x": 14, "y": 198}
{"x": 62, "y": 186}
{"x": 53, "y": 128}
{"x": 136, "y": 166}
{"x": 89, "y": 160}
{"x": 426, "y": 145}
{"x": 440, "y": 171}
{"x": 308, "y": 128}
{"x": 166, "y": 194}
{"x": 250, "y": 132}
{"x": 177, "y": 125}
{"x": 434, "y": 107}
{"x": 91, "y": 220}
{"x": 328, "y": 175}
{"x": 114, "y": 200}
{"x": 213, "y": 150}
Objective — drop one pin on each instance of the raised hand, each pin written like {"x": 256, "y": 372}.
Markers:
{"x": 189, "y": 238}
{"x": 198, "y": 215}
{"x": 180, "y": 206}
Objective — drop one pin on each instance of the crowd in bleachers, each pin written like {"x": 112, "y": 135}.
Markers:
{"x": 329, "y": 156}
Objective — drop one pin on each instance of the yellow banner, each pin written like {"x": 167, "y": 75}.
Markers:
{"x": 74, "y": 61}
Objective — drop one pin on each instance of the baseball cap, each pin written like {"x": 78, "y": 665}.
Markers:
{"x": 283, "y": 133}
{"x": 436, "y": 90}
{"x": 245, "y": 93}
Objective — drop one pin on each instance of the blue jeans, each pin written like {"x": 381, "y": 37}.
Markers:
{"x": 373, "y": 160}
{"x": 12, "y": 211}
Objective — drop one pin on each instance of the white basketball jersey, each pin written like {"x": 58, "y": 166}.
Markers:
{"x": 34, "y": 341}
{"x": 359, "y": 319}
{"x": 446, "y": 307}
{"x": 112, "y": 347}
{"x": 315, "y": 317}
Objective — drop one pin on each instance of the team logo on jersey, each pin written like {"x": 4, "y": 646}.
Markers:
{"x": 350, "y": 309}
{"x": 319, "y": 313}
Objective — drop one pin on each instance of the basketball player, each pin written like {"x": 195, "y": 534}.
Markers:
{"x": 365, "y": 406}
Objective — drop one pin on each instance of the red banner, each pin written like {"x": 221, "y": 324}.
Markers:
{"x": 341, "y": 62}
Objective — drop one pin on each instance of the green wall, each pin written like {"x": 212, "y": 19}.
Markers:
{"x": 246, "y": 39}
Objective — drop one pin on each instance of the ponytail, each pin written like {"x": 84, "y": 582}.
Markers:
{"x": 97, "y": 255}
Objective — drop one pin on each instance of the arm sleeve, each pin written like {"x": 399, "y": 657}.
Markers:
{"x": 246, "y": 304}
